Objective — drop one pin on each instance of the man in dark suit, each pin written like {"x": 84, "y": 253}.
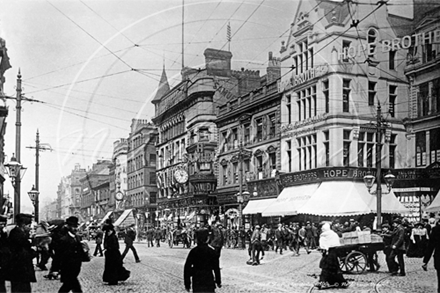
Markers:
{"x": 202, "y": 266}
{"x": 130, "y": 236}
{"x": 397, "y": 248}
{"x": 71, "y": 256}
{"x": 21, "y": 269}
{"x": 217, "y": 238}
{"x": 279, "y": 238}
{"x": 434, "y": 245}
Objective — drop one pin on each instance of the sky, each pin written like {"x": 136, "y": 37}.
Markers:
{"x": 94, "y": 65}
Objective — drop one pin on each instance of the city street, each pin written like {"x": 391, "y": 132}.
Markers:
{"x": 161, "y": 270}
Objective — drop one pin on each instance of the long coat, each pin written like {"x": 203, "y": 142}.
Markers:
{"x": 398, "y": 238}
{"x": 71, "y": 256}
{"x": 21, "y": 268}
{"x": 434, "y": 246}
{"x": 113, "y": 268}
{"x": 202, "y": 264}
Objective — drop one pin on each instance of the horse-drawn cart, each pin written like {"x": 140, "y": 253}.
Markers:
{"x": 358, "y": 251}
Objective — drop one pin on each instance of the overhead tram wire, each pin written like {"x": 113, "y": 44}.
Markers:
{"x": 84, "y": 80}
{"x": 86, "y": 117}
{"x": 72, "y": 65}
{"x": 90, "y": 35}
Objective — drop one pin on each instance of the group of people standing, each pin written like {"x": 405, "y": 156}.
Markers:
{"x": 64, "y": 245}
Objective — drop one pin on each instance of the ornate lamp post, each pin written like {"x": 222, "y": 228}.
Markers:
{"x": 16, "y": 172}
{"x": 34, "y": 196}
{"x": 369, "y": 180}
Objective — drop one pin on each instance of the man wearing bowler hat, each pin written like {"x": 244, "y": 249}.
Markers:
{"x": 71, "y": 257}
{"x": 21, "y": 270}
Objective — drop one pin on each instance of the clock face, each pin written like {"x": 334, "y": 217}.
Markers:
{"x": 119, "y": 196}
{"x": 181, "y": 176}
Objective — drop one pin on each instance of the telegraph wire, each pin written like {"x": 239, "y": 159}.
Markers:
{"x": 89, "y": 34}
{"x": 84, "y": 80}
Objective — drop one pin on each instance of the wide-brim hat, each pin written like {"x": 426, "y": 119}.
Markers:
{"x": 397, "y": 221}
{"x": 23, "y": 218}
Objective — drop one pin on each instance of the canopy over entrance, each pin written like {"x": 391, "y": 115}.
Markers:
{"x": 105, "y": 218}
{"x": 345, "y": 198}
{"x": 126, "y": 218}
{"x": 435, "y": 205}
{"x": 290, "y": 200}
{"x": 257, "y": 206}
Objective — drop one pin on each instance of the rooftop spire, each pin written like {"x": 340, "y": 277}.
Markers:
{"x": 164, "y": 87}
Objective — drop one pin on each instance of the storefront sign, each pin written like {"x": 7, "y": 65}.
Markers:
{"x": 301, "y": 78}
{"x": 385, "y": 46}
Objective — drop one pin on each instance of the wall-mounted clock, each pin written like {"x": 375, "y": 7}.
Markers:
{"x": 181, "y": 176}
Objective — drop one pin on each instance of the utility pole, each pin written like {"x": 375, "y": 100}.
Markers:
{"x": 18, "y": 145}
{"x": 38, "y": 147}
{"x": 379, "y": 130}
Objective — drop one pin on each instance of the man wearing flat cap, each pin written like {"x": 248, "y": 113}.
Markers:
{"x": 71, "y": 257}
{"x": 397, "y": 248}
{"x": 21, "y": 271}
{"x": 202, "y": 266}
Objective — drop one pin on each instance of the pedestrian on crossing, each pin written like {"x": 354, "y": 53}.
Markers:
{"x": 98, "y": 241}
{"x": 158, "y": 236}
{"x": 201, "y": 268}
{"x": 130, "y": 236}
{"x": 72, "y": 255}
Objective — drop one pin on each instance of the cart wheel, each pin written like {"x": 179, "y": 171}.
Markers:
{"x": 356, "y": 262}
{"x": 343, "y": 265}
{"x": 170, "y": 240}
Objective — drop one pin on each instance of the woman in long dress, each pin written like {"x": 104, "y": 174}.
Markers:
{"x": 114, "y": 271}
{"x": 331, "y": 275}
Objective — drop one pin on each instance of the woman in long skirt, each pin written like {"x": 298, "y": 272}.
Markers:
{"x": 331, "y": 275}
{"x": 114, "y": 271}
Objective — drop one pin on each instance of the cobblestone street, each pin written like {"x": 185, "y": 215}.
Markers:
{"x": 161, "y": 270}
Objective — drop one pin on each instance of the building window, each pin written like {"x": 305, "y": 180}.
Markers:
{"x": 204, "y": 134}
{"x": 370, "y": 148}
{"x": 346, "y": 148}
{"x": 289, "y": 108}
{"x": 392, "y": 56}
{"x": 153, "y": 178}
{"x": 327, "y": 148}
{"x": 236, "y": 171}
{"x": 225, "y": 141}
{"x": 289, "y": 155}
{"x": 392, "y": 151}
{"x": 421, "y": 148}
{"x": 361, "y": 149}
{"x": 325, "y": 90}
{"x": 259, "y": 129}
{"x": 272, "y": 161}
{"x": 434, "y": 144}
{"x": 371, "y": 93}
{"x": 345, "y": 45}
{"x": 392, "y": 101}
{"x": 307, "y": 152}
{"x": 307, "y": 103}
{"x": 428, "y": 53}
{"x": 423, "y": 100}
{"x": 225, "y": 174}
{"x": 372, "y": 40}
{"x": 346, "y": 95}
{"x": 235, "y": 138}
{"x": 247, "y": 133}
{"x": 272, "y": 124}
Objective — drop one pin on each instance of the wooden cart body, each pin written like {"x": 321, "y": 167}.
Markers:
{"x": 355, "y": 258}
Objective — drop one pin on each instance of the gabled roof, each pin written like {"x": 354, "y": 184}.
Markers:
{"x": 164, "y": 87}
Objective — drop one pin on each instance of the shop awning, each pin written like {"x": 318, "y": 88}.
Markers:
{"x": 126, "y": 218}
{"x": 105, "y": 218}
{"x": 290, "y": 200}
{"x": 257, "y": 206}
{"x": 345, "y": 198}
{"x": 435, "y": 205}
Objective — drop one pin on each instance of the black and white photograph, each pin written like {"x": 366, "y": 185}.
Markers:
{"x": 220, "y": 146}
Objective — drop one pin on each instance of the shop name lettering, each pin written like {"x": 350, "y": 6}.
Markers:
{"x": 332, "y": 173}
{"x": 390, "y": 45}
{"x": 201, "y": 157}
{"x": 295, "y": 80}
{"x": 305, "y": 122}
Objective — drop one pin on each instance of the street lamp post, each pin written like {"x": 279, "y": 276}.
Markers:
{"x": 16, "y": 172}
{"x": 370, "y": 179}
{"x": 34, "y": 196}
